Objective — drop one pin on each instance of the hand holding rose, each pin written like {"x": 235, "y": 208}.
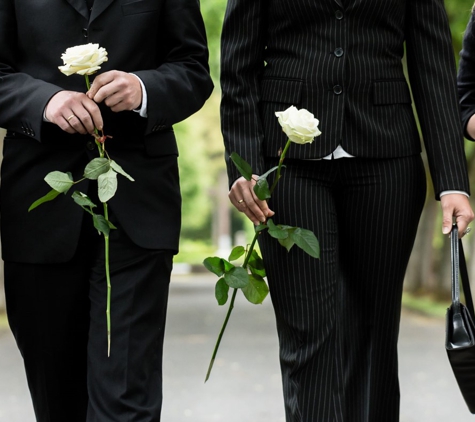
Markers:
{"x": 76, "y": 112}
{"x": 119, "y": 91}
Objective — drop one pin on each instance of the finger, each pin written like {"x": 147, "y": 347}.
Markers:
{"x": 462, "y": 225}
{"x": 95, "y": 116}
{"x": 263, "y": 205}
{"x": 447, "y": 221}
{"x": 237, "y": 196}
{"x": 99, "y": 82}
{"x": 76, "y": 123}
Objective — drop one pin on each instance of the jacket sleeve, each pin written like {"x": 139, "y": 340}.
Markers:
{"x": 466, "y": 75}
{"x": 243, "y": 43}
{"x": 181, "y": 84}
{"x": 432, "y": 75}
{"x": 23, "y": 98}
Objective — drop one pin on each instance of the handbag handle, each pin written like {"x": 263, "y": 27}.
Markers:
{"x": 459, "y": 265}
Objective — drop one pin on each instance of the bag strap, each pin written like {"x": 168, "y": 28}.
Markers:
{"x": 459, "y": 265}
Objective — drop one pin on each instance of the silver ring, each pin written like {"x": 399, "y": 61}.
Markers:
{"x": 467, "y": 230}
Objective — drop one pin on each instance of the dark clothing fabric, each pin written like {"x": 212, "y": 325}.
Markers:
{"x": 338, "y": 316}
{"x": 62, "y": 335}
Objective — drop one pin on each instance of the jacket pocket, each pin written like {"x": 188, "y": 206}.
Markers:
{"x": 391, "y": 91}
{"x": 278, "y": 90}
{"x": 161, "y": 143}
{"x": 140, "y": 6}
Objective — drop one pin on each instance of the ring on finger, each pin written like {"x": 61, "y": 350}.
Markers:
{"x": 70, "y": 117}
{"x": 240, "y": 201}
{"x": 467, "y": 230}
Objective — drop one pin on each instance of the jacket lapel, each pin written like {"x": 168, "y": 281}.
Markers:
{"x": 339, "y": 2}
{"x": 99, "y": 7}
{"x": 80, "y": 6}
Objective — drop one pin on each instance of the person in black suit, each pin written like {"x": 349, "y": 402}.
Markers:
{"x": 360, "y": 186}
{"x": 156, "y": 75}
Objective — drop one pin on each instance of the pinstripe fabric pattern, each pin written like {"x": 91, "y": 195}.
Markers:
{"x": 344, "y": 65}
{"x": 338, "y": 317}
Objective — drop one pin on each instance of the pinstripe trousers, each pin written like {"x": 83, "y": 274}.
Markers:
{"x": 338, "y": 317}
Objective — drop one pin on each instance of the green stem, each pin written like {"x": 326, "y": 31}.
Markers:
{"x": 230, "y": 309}
{"x": 279, "y": 168}
{"x": 109, "y": 286}
{"x": 99, "y": 145}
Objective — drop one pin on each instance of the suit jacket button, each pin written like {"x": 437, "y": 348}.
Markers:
{"x": 337, "y": 89}
{"x": 338, "y": 52}
{"x": 339, "y": 15}
{"x": 90, "y": 145}
{"x": 84, "y": 32}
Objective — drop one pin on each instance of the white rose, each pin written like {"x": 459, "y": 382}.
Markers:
{"x": 83, "y": 59}
{"x": 299, "y": 125}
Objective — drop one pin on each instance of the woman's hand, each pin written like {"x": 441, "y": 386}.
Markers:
{"x": 242, "y": 196}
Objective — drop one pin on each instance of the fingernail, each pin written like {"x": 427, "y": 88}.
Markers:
{"x": 445, "y": 230}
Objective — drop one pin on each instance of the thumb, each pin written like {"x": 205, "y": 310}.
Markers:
{"x": 447, "y": 221}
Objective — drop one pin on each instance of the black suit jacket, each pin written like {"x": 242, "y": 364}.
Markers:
{"x": 161, "y": 41}
{"x": 344, "y": 64}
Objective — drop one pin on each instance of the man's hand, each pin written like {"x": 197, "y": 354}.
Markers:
{"x": 73, "y": 112}
{"x": 245, "y": 200}
{"x": 456, "y": 205}
{"x": 118, "y": 90}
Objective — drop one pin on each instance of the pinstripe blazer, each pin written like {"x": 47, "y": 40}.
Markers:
{"x": 344, "y": 64}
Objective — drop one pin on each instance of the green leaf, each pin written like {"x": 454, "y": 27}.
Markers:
{"x": 256, "y": 264}
{"x": 261, "y": 189}
{"x": 236, "y": 253}
{"x": 257, "y": 290}
{"x": 264, "y": 176}
{"x": 100, "y": 223}
{"x": 120, "y": 170}
{"x": 287, "y": 243}
{"x": 107, "y": 185}
{"x": 237, "y": 278}
{"x": 242, "y": 165}
{"x": 59, "y": 181}
{"x": 82, "y": 199}
{"x": 260, "y": 227}
{"x": 306, "y": 240}
{"x": 276, "y": 231}
{"x": 221, "y": 292}
{"x": 96, "y": 167}
{"x": 48, "y": 197}
{"x": 215, "y": 265}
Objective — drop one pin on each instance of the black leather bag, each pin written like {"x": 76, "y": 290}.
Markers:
{"x": 460, "y": 330}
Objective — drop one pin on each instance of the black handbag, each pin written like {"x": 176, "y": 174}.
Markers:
{"x": 460, "y": 329}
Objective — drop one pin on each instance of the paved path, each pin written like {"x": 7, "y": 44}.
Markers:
{"x": 245, "y": 384}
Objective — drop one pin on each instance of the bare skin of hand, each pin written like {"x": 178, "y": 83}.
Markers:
{"x": 118, "y": 90}
{"x": 458, "y": 206}
{"x": 242, "y": 196}
{"x": 74, "y": 112}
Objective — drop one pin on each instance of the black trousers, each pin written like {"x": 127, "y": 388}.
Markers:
{"x": 57, "y": 313}
{"x": 338, "y": 316}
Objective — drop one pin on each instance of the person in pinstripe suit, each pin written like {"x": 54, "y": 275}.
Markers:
{"x": 360, "y": 187}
